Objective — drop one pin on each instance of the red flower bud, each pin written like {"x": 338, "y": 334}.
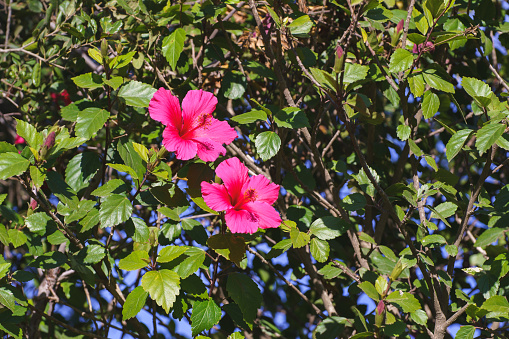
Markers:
{"x": 19, "y": 140}
{"x": 33, "y": 204}
{"x": 430, "y": 47}
{"x": 399, "y": 27}
{"x": 65, "y": 97}
{"x": 380, "y": 307}
{"x": 50, "y": 140}
{"x": 339, "y": 52}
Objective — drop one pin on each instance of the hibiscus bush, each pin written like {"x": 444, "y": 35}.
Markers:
{"x": 254, "y": 169}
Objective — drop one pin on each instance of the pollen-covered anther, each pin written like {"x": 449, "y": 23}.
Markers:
{"x": 250, "y": 194}
{"x": 205, "y": 120}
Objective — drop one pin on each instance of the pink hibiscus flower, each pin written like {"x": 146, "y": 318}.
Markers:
{"x": 192, "y": 130}
{"x": 246, "y": 200}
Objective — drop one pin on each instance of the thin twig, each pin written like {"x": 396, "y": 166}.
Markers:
{"x": 292, "y": 286}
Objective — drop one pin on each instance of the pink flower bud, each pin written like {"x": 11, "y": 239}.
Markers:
{"x": 380, "y": 307}
{"x": 399, "y": 27}
{"x": 430, "y": 46}
{"x": 339, "y": 52}
{"x": 19, "y": 140}
{"x": 50, "y": 140}
{"x": 33, "y": 204}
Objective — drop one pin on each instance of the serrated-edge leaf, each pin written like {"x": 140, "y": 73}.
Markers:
{"x": 267, "y": 144}
{"x": 205, "y": 315}
{"x": 456, "y": 143}
{"x": 134, "y": 303}
{"x": 163, "y": 287}
{"x": 173, "y": 45}
{"x": 89, "y": 121}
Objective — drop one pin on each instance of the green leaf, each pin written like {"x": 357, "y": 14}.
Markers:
{"x": 324, "y": 79}
{"x": 88, "y": 80}
{"x": 444, "y": 210}
{"x": 163, "y": 286}
{"x": 456, "y": 143}
{"x": 246, "y": 294}
{"x": 437, "y": 78}
{"x": 488, "y": 135}
{"x": 169, "y": 253}
{"x": 192, "y": 263}
{"x": 134, "y": 303}
{"x": 370, "y": 290}
{"x": 122, "y": 60}
{"x": 319, "y": 249}
{"x": 114, "y": 210}
{"x": 477, "y": 89}
{"x": 401, "y": 60}
{"x": 489, "y": 236}
{"x": 12, "y": 164}
{"x": 354, "y": 201}
{"x": 71, "y": 111}
{"x": 406, "y": 301}
{"x": 134, "y": 261}
{"x": 381, "y": 285}
{"x": 250, "y": 117}
{"x": 267, "y": 145}
{"x": 301, "y": 26}
{"x": 106, "y": 189}
{"x": 131, "y": 158}
{"x": 433, "y": 240}
{"x": 136, "y": 93}
{"x": 28, "y": 132}
{"x": 124, "y": 169}
{"x": 416, "y": 84}
{"x": 90, "y": 120}
{"x": 81, "y": 169}
{"x": 7, "y": 298}
{"x": 230, "y": 246}
{"x": 17, "y": 237}
{"x": 330, "y": 271}
{"x": 496, "y": 303}
{"x": 114, "y": 82}
{"x": 328, "y": 228}
{"x": 173, "y": 45}
{"x": 430, "y": 104}
{"x": 329, "y": 328}
{"x": 420, "y": 317}
{"x": 38, "y": 176}
{"x": 299, "y": 239}
{"x": 205, "y": 315}
{"x": 451, "y": 250}
{"x": 6, "y": 147}
{"x": 465, "y": 332}
{"x": 37, "y": 222}
{"x": 291, "y": 117}
{"x": 354, "y": 72}
{"x": 92, "y": 254}
{"x": 233, "y": 85}
{"x": 403, "y": 132}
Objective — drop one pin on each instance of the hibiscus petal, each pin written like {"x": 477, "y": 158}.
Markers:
{"x": 234, "y": 175}
{"x": 165, "y": 107}
{"x": 266, "y": 214}
{"x": 209, "y": 150}
{"x": 196, "y": 103}
{"x": 215, "y": 196}
{"x": 265, "y": 190}
{"x": 184, "y": 149}
{"x": 219, "y": 131}
{"x": 241, "y": 221}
